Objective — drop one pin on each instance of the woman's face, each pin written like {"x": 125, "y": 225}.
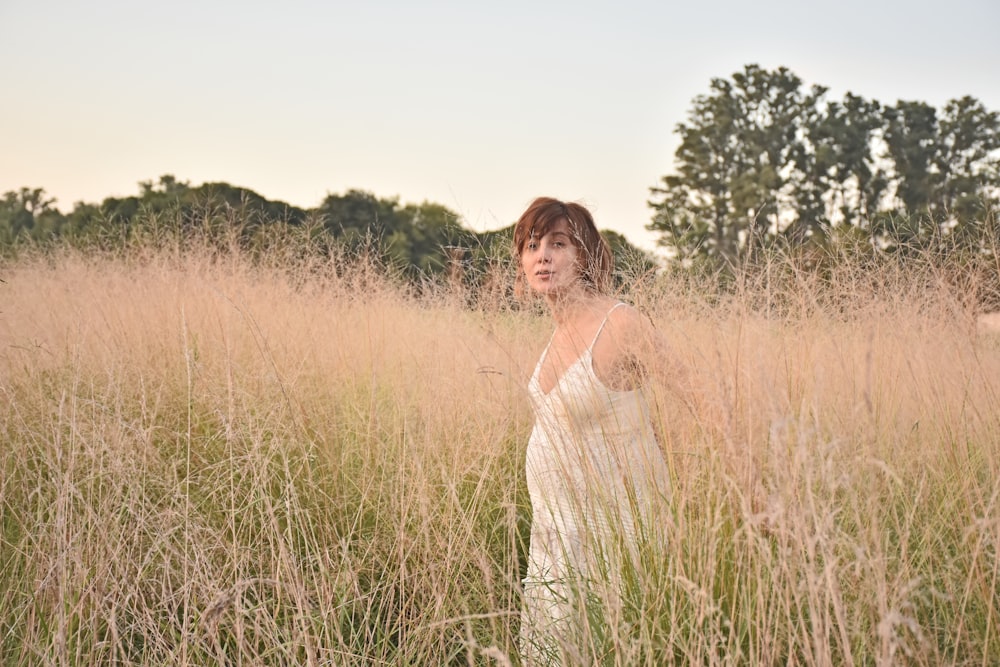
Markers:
{"x": 551, "y": 262}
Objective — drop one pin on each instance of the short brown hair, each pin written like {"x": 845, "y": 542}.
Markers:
{"x": 543, "y": 213}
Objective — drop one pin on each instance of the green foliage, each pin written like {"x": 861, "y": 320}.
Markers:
{"x": 966, "y": 159}
{"x": 841, "y": 167}
{"x": 763, "y": 161}
{"x": 738, "y": 152}
{"x": 28, "y": 215}
{"x": 412, "y": 237}
{"x": 419, "y": 241}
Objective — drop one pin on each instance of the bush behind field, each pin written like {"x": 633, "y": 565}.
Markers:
{"x": 287, "y": 455}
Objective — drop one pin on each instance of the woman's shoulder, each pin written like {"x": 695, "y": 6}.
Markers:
{"x": 626, "y": 318}
{"x": 619, "y": 353}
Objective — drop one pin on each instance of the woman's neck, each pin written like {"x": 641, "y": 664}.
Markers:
{"x": 573, "y": 306}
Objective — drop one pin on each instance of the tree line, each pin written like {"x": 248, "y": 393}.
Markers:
{"x": 410, "y": 234}
{"x": 765, "y": 161}
{"x": 418, "y": 240}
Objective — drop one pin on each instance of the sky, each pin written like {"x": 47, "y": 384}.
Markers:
{"x": 479, "y": 106}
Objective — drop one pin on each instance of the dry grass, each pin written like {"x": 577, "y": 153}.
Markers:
{"x": 207, "y": 461}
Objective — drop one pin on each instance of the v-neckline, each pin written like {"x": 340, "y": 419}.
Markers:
{"x": 585, "y": 351}
{"x": 562, "y": 376}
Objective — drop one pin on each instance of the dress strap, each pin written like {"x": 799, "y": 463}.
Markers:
{"x": 541, "y": 358}
{"x": 601, "y": 328}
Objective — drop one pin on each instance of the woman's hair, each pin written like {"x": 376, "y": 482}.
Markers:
{"x": 544, "y": 213}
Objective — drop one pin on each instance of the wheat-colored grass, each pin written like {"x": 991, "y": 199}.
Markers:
{"x": 208, "y": 460}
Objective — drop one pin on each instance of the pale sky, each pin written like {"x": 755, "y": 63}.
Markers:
{"x": 476, "y": 106}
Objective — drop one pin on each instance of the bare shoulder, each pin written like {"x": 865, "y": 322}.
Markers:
{"x": 630, "y": 323}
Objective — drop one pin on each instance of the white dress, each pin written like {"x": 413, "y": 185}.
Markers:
{"x": 593, "y": 469}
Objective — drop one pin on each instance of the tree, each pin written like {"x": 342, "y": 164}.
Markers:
{"x": 737, "y": 158}
{"x": 966, "y": 160}
{"x": 413, "y": 237}
{"x": 763, "y": 161}
{"x": 357, "y": 215}
{"x": 175, "y": 206}
{"x": 28, "y": 214}
{"x": 631, "y": 262}
{"x": 843, "y": 180}
{"x": 946, "y": 170}
{"x": 911, "y": 136}
{"x": 430, "y": 230}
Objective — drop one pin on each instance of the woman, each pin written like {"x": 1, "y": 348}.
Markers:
{"x": 593, "y": 464}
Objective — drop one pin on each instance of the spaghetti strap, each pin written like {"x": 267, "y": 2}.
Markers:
{"x": 541, "y": 359}
{"x": 601, "y": 328}
{"x": 545, "y": 352}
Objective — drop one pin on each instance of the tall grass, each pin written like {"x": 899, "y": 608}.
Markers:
{"x": 208, "y": 458}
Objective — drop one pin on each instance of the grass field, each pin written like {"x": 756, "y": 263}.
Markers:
{"x": 209, "y": 460}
